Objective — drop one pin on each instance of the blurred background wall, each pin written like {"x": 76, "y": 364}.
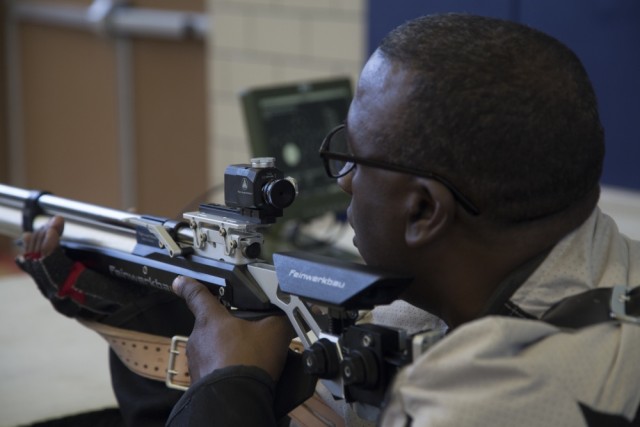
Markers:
{"x": 263, "y": 42}
{"x": 605, "y": 34}
{"x": 107, "y": 105}
{"x": 115, "y": 110}
{"x": 134, "y": 104}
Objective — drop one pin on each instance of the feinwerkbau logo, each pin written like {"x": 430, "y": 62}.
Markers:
{"x": 122, "y": 274}
{"x": 317, "y": 279}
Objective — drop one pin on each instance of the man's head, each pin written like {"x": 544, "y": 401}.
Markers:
{"x": 506, "y": 112}
{"x": 503, "y": 113}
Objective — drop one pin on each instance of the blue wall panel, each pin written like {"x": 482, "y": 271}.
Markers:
{"x": 604, "y": 33}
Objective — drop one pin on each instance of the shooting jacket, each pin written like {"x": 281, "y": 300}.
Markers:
{"x": 506, "y": 368}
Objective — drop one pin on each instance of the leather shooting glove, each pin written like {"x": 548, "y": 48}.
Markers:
{"x": 72, "y": 289}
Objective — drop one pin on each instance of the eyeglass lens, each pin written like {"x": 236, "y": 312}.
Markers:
{"x": 338, "y": 144}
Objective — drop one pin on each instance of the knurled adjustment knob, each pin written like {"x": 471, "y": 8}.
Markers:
{"x": 360, "y": 368}
{"x": 252, "y": 250}
{"x": 321, "y": 359}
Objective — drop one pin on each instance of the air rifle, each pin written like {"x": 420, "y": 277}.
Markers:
{"x": 220, "y": 245}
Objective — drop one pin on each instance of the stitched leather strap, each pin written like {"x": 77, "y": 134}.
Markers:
{"x": 595, "y": 306}
{"x": 148, "y": 356}
{"x": 145, "y": 354}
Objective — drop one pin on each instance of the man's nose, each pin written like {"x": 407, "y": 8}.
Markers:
{"x": 344, "y": 182}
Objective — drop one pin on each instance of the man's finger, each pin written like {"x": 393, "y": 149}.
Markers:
{"x": 56, "y": 223}
{"x": 36, "y": 241}
{"x": 27, "y": 242}
{"x": 200, "y": 301}
{"x": 46, "y": 238}
{"x": 52, "y": 232}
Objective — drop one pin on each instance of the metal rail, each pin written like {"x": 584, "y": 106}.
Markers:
{"x": 114, "y": 18}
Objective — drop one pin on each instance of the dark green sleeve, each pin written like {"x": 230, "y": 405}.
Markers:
{"x": 237, "y": 396}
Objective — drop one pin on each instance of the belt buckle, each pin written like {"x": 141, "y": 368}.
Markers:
{"x": 619, "y": 298}
{"x": 173, "y": 354}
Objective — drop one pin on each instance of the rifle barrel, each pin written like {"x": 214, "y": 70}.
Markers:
{"x": 13, "y": 201}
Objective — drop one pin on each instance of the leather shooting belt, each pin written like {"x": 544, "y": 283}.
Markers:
{"x": 165, "y": 359}
{"x": 150, "y": 356}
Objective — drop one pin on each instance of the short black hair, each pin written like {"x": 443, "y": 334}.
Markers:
{"x": 505, "y": 112}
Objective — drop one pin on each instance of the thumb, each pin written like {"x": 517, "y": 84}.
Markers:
{"x": 199, "y": 299}
{"x": 57, "y": 223}
{"x": 52, "y": 232}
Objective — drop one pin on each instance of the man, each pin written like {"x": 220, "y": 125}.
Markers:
{"x": 474, "y": 151}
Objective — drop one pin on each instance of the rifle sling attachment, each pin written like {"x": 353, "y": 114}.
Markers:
{"x": 32, "y": 209}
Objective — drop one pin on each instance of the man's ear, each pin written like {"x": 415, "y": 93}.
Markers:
{"x": 430, "y": 210}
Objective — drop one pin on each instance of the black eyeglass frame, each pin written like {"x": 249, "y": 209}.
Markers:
{"x": 327, "y": 155}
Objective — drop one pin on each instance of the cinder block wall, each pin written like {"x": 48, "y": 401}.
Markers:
{"x": 262, "y": 42}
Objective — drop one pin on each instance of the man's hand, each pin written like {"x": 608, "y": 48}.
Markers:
{"x": 44, "y": 240}
{"x": 220, "y": 340}
{"x": 73, "y": 289}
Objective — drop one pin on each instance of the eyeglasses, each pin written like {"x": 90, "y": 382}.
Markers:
{"x": 338, "y": 162}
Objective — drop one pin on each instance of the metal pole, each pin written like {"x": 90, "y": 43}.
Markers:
{"x": 16, "y": 163}
{"x": 116, "y": 19}
{"x": 126, "y": 124}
